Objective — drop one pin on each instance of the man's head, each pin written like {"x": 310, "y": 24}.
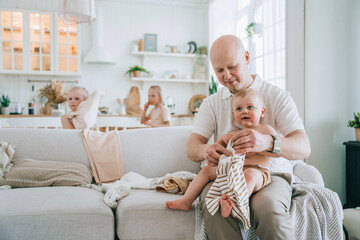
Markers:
{"x": 230, "y": 62}
{"x": 248, "y": 107}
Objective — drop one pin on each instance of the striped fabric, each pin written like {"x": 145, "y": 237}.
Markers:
{"x": 230, "y": 181}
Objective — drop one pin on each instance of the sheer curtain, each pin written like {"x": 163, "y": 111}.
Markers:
{"x": 267, "y": 46}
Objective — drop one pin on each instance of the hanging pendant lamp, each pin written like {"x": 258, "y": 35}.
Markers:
{"x": 78, "y": 11}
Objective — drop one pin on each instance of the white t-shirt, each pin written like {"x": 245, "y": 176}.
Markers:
{"x": 159, "y": 115}
{"x": 215, "y": 116}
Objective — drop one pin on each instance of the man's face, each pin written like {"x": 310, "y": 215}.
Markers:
{"x": 231, "y": 68}
{"x": 248, "y": 110}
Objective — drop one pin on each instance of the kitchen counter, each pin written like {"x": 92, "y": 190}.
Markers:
{"x": 102, "y": 115}
{"x": 124, "y": 121}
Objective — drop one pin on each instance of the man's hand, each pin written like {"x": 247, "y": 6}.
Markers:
{"x": 250, "y": 141}
{"x": 213, "y": 153}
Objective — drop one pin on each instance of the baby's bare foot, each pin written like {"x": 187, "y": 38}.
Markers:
{"x": 181, "y": 204}
{"x": 226, "y": 205}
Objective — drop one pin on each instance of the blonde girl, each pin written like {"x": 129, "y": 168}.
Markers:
{"x": 159, "y": 116}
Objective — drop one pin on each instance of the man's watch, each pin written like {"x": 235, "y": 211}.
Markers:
{"x": 277, "y": 144}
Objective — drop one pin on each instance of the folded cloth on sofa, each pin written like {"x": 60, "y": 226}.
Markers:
{"x": 85, "y": 115}
{"x": 34, "y": 173}
{"x": 175, "y": 183}
{"x": 121, "y": 188}
{"x": 104, "y": 153}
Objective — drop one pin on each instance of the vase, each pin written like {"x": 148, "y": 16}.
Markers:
{"x": 57, "y": 110}
{"x": 136, "y": 74}
{"x": 357, "y": 134}
{"x": 5, "y": 110}
{"x": 47, "y": 109}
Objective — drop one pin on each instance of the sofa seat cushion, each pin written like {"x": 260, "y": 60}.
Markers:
{"x": 143, "y": 215}
{"x": 55, "y": 213}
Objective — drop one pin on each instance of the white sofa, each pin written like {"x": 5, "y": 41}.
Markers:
{"x": 80, "y": 213}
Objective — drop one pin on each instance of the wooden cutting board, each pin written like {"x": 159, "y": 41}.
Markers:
{"x": 133, "y": 102}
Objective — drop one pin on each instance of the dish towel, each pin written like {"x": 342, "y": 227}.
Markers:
{"x": 230, "y": 181}
{"x": 104, "y": 153}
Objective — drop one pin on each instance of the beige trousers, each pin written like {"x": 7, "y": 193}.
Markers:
{"x": 269, "y": 214}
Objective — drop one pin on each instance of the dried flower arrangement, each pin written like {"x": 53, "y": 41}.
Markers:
{"x": 54, "y": 92}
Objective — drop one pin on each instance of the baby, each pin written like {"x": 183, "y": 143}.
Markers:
{"x": 247, "y": 108}
{"x": 83, "y": 108}
{"x": 159, "y": 116}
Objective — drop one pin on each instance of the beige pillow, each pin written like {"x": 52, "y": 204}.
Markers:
{"x": 35, "y": 173}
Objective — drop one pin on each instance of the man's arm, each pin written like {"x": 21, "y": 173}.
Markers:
{"x": 294, "y": 146}
{"x": 198, "y": 149}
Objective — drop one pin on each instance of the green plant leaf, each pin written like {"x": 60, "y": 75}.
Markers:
{"x": 135, "y": 68}
{"x": 356, "y": 122}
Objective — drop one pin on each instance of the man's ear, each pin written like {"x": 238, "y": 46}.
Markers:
{"x": 247, "y": 57}
{"x": 263, "y": 112}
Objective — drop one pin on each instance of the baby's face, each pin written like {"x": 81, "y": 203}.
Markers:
{"x": 248, "y": 110}
{"x": 76, "y": 96}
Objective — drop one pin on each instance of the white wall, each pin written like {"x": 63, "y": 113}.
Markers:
{"x": 332, "y": 56}
{"x": 124, "y": 22}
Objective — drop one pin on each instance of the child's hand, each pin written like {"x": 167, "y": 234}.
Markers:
{"x": 148, "y": 123}
{"x": 146, "y": 105}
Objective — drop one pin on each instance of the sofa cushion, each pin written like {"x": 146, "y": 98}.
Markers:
{"x": 143, "y": 215}
{"x": 46, "y": 144}
{"x": 33, "y": 173}
{"x": 55, "y": 213}
{"x": 153, "y": 152}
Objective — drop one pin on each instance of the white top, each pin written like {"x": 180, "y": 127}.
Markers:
{"x": 159, "y": 115}
{"x": 215, "y": 116}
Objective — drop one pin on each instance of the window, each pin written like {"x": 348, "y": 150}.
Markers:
{"x": 267, "y": 45}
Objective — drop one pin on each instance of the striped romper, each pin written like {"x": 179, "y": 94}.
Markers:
{"x": 230, "y": 181}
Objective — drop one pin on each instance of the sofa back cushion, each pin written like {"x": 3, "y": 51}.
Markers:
{"x": 46, "y": 144}
{"x": 153, "y": 152}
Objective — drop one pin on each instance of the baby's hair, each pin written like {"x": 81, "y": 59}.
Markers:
{"x": 86, "y": 93}
{"x": 161, "y": 94}
{"x": 245, "y": 92}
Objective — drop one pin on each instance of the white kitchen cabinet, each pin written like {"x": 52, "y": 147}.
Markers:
{"x": 37, "y": 42}
{"x": 12, "y": 41}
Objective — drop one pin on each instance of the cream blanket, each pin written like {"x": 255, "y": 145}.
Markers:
{"x": 104, "y": 153}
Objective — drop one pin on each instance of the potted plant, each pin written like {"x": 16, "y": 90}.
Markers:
{"x": 135, "y": 71}
{"x": 55, "y": 94}
{"x": 355, "y": 124}
{"x": 201, "y": 53}
{"x": 212, "y": 86}
{"x": 5, "y": 102}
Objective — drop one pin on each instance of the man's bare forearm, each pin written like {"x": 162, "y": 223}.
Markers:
{"x": 295, "y": 146}
{"x": 196, "y": 147}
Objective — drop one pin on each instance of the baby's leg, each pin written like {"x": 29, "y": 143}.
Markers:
{"x": 254, "y": 180}
{"x": 226, "y": 205}
{"x": 184, "y": 203}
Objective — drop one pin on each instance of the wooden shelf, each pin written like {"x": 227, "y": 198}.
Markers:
{"x": 164, "y": 54}
{"x": 169, "y": 80}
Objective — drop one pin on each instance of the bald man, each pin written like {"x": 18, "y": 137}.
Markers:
{"x": 270, "y": 206}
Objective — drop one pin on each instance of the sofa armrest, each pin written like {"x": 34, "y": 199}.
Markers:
{"x": 308, "y": 173}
